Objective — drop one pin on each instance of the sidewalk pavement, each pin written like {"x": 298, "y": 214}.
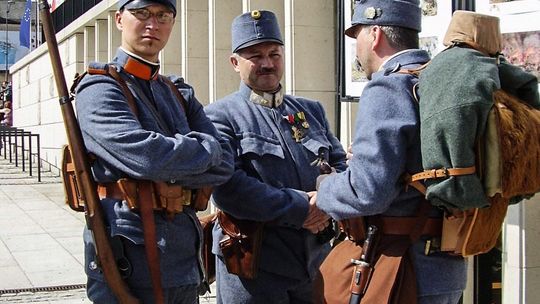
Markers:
{"x": 41, "y": 248}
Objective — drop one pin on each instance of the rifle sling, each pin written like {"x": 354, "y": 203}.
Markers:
{"x": 146, "y": 197}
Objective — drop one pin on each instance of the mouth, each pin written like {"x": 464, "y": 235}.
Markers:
{"x": 149, "y": 37}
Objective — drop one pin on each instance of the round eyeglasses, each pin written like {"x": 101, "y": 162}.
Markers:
{"x": 144, "y": 14}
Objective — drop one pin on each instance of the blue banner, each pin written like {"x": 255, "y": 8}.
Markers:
{"x": 24, "y": 34}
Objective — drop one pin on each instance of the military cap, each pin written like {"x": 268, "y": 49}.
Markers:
{"x": 402, "y": 13}
{"x": 254, "y": 27}
{"x": 145, "y": 3}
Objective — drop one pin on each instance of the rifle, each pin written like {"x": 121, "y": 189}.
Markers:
{"x": 363, "y": 267}
{"x": 85, "y": 181}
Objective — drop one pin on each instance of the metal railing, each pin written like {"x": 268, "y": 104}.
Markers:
{"x": 19, "y": 146}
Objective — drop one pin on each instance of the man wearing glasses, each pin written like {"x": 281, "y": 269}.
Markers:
{"x": 156, "y": 138}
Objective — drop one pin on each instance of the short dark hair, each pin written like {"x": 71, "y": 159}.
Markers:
{"x": 401, "y": 38}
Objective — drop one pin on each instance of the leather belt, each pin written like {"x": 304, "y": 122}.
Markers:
{"x": 171, "y": 198}
{"x": 395, "y": 225}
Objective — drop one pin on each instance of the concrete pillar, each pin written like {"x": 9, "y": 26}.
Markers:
{"x": 195, "y": 42}
{"x": 101, "y": 31}
{"x": 310, "y": 37}
{"x": 89, "y": 44}
{"x": 222, "y": 78}
{"x": 171, "y": 56}
{"x": 520, "y": 258}
{"x": 114, "y": 39}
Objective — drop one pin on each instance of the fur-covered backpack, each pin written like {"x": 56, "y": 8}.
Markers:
{"x": 480, "y": 134}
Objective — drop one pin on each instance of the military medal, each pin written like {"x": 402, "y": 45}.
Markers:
{"x": 298, "y": 125}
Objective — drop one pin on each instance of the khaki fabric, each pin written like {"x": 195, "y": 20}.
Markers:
{"x": 480, "y": 31}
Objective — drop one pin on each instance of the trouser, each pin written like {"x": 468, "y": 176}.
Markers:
{"x": 267, "y": 288}
{"x": 99, "y": 293}
{"x": 449, "y": 298}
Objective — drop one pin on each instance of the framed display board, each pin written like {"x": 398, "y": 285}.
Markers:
{"x": 436, "y": 15}
{"x": 520, "y": 28}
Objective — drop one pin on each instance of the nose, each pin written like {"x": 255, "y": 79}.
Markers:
{"x": 152, "y": 22}
{"x": 266, "y": 62}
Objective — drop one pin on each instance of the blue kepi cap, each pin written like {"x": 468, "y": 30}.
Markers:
{"x": 402, "y": 13}
{"x": 253, "y": 28}
{"x": 145, "y": 3}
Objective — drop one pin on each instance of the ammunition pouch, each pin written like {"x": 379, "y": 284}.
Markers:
{"x": 240, "y": 245}
{"x": 170, "y": 198}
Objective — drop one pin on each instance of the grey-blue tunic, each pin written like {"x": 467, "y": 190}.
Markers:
{"x": 385, "y": 147}
{"x": 272, "y": 174}
{"x": 127, "y": 146}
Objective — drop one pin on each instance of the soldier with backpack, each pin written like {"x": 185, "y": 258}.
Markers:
{"x": 152, "y": 146}
{"x": 372, "y": 191}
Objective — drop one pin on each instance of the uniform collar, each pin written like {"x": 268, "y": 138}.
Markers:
{"x": 136, "y": 65}
{"x": 271, "y": 100}
{"x": 382, "y": 67}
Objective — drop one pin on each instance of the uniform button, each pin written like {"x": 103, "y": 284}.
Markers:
{"x": 92, "y": 265}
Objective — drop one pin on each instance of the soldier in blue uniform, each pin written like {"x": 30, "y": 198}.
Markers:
{"x": 277, "y": 139}
{"x": 166, "y": 142}
{"x": 386, "y": 145}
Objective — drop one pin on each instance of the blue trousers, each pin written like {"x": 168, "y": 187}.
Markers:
{"x": 449, "y": 298}
{"x": 99, "y": 293}
{"x": 267, "y": 288}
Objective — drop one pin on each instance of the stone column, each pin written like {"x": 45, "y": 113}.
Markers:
{"x": 520, "y": 257}
{"x": 223, "y": 80}
{"x": 114, "y": 38}
{"x": 89, "y": 44}
{"x": 101, "y": 31}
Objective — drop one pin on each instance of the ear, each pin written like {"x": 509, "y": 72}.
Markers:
{"x": 377, "y": 35}
{"x": 234, "y": 61}
{"x": 118, "y": 20}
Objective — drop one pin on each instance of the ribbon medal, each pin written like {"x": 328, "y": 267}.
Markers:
{"x": 298, "y": 125}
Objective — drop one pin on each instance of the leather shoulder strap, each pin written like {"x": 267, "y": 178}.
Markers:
{"x": 179, "y": 96}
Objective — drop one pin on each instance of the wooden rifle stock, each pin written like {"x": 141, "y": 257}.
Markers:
{"x": 85, "y": 181}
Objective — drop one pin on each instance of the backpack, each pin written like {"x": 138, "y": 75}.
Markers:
{"x": 480, "y": 134}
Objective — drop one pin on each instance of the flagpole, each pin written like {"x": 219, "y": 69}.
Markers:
{"x": 8, "y": 4}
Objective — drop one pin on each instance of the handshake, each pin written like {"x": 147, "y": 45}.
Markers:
{"x": 316, "y": 220}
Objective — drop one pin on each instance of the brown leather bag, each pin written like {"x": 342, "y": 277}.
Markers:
{"x": 209, "y": 259}
{"x": 393, "y": 280}
{"x": 240, "y": 245}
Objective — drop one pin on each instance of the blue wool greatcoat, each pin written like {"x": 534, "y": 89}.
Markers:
{"x": 190, "y": 154}
{"x": 385, "y": 147}
{"x": 272, "y": 174}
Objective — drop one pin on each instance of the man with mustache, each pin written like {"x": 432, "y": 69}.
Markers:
{"x": 278, "y": 140}
{"x": 158, "y": 137}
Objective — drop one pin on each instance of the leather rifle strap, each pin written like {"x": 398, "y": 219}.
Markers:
{"x": 150, "y": 242}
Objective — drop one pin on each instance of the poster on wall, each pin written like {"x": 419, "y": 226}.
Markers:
{"x": 436, "y": 15}
{"x": 11, "y": 50}
{"x": 520, "y": 28}
{"x": 355, "y": 77}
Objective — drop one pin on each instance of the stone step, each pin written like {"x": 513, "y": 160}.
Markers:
{"x": 13, "y": 175}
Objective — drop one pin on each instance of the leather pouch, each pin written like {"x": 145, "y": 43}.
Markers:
{"x": 202, "y": 196}
{"x": 240, "y": 245}
{"x": 172, "y": 197}
{"x": 71, "y": 189}
{"x": 393, "y": 279}
{"x": 209, "y": 259}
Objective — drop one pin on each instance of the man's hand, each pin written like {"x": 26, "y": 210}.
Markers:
{"x": 316, "y": 220}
